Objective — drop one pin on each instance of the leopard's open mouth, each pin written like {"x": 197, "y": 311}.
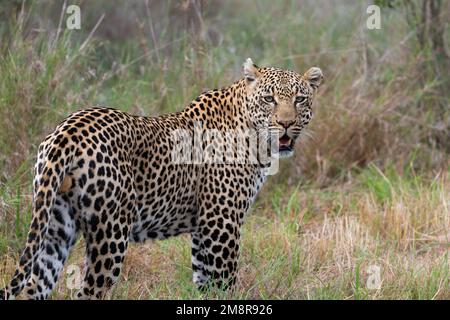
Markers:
{"x": 285, "y": 144}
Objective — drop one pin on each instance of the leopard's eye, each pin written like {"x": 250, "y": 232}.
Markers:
{"x": 300, "y": 100}
{"x": 269, "y": 99}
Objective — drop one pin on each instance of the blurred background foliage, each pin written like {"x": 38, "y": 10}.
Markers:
{"x": 385, "y": 97}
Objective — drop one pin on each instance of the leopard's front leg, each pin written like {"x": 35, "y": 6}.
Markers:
{"x": 225, "y": 195}
{"x": 215, "y": 248}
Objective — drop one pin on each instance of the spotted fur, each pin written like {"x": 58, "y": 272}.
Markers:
{"x": 108, "y": 175}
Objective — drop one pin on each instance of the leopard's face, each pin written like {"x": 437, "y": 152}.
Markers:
{"x": 279, "y": 101}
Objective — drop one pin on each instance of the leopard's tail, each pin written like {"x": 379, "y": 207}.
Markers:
{"x": 50, "y": 171}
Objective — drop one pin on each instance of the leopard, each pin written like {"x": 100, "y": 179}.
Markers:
{"x": 112, "y": 177}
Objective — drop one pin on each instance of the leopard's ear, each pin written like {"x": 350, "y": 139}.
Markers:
{"x": 251, "y": 72}
{"x": 314, "y": 76}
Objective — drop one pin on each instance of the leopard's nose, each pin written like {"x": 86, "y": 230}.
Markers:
{"x": 285, "y": 123}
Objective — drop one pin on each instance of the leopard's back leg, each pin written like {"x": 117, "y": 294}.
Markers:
{"x": 59, "y": 240}
{"x": 106, "y": 227}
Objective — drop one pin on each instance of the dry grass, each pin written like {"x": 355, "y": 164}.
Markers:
{"x": 321, "y": 247}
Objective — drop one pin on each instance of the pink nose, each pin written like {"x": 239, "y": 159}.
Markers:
{"x": 285, "y": 123}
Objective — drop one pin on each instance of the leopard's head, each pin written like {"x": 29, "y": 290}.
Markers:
{"x": 279, "y": 101}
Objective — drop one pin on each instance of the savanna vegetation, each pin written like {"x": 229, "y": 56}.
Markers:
{"x": 368, "y": 189}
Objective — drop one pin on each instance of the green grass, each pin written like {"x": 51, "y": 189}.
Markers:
{"x": 327, "y": 256}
